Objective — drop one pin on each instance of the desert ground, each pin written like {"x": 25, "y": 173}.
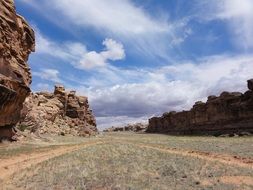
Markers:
{"x": 124, "y": 160}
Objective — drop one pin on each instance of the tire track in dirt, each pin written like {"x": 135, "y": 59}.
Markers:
{"x": 208, "y": 156}
{"x": 13, "y": 165}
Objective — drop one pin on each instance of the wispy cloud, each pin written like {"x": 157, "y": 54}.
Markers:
{"x": 174, "y": 87}
{"x": 238, "y": 14}
{"x": 129, "y": 92}
{"x": 123, "y": 20}
{"x": 48, "y": 75}
{"x": 76, "y": 53}
{"x": 68, "y": 51}
{"x": 121, "y": 17}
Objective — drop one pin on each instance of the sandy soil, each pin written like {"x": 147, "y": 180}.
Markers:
{"x": 10, "y": 166}
{"x": 18, "y": 163}
{"x": 225, "y": 159}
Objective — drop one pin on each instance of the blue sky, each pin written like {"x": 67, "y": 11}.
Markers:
{"x": 136, "y": 59}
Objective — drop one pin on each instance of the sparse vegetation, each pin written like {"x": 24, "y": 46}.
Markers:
{"x": 122, "y": 162}
{"x": 32, "y": 145}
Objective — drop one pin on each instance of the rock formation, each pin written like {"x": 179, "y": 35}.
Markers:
{"x": 16, "y": 43}
{"x": 138, "y": 127}
{"x": 228, "y": 113}
{"x": 59, "y": 113}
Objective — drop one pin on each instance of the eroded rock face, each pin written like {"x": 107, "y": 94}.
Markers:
{"x": 250, "y": 84}
{"x": 228, "y": 113}
{"x": 16, "y": 43}
{"x": 59, "y": 113}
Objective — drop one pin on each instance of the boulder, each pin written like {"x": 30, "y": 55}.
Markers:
{"x": 16, "y": 43}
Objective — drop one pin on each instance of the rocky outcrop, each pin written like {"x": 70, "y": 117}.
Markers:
{"x": 250, "y": 84}
{"x": 16, "y": 43}
{"x": 138, "y": 127}
{"x": 59, "y": 113}
{"x": 228, "y": 113}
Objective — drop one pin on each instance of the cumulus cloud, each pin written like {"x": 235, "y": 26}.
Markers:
{"x": 141, "y": 93}
{"x": 113, "y": 51}
{"x": 175, "y": 87}
{"x": 237, "y": 13}
{"x": 138, "y": 93}
{"x": 77, "y": 54}
{"x": 133, "y": 94}
{"x": 119, "y": 121}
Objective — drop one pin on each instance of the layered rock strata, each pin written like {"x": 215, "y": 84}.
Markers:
{"x": 228, "y": 113}
{"x": 16, "y": 43}
{"x": 58, "y": 113}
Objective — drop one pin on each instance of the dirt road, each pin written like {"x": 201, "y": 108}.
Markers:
{"x": 18, "y": 163}
{"x": 10, "y": 166}
{"x": 222, "y": 158}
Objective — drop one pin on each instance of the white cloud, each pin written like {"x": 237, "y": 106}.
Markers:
{"x": 69, "y": 51}
{"x": 121, "y": 17}
{"x": 113, "y": 51}
{"x": 174, "y": 87}
{"x": 49, "y": 75}
{"x": 115, "y": 92}
{"x": 119, "y": 95}
{"x": 236, "y": 8}
{"x": 123, "y": 20}
{"x": 77, "y": 54}
{"x": 237, "y": 13}
{"x": 106, "y": 122}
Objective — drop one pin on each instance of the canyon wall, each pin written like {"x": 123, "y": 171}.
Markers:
{"x": 228, "y": 113}
{"x": 16, "y": 43}
{"x": 60, "y": 113}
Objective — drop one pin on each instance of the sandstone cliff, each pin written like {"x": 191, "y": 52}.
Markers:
{"x": 59, "y": 113}
{"x": 16, "y": 43}
{"x": 228, "y": 113}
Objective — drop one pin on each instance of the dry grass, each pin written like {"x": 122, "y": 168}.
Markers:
{"x": 121, "y": 162}
{"x": 239, "y": 146}
{"x": 47, "y": 142}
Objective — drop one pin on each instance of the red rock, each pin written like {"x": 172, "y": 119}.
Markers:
{"x": 59, "y": 113}
{"x": 16, "y": 43}
{"x": 228, "y": 113}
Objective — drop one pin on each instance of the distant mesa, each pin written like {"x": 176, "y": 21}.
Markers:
{"x": 227, "y": 114}
{"x": 138, "y": 127}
